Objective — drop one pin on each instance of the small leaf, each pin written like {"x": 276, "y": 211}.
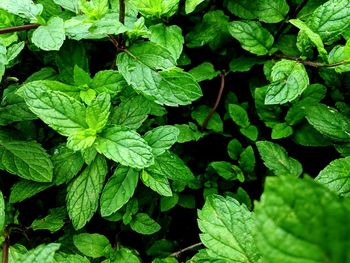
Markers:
{"x": 252, "y": 36}
{"x": 144, "y": 225}
{"x": 204, "y": 71}
{"x": 161, "y": 138}
{"x": 247, "y": 160}
{"x": 191, "y": 5}
{"x": 281, "y": 130}
{"x": 81, "y": 77}
{"x": 53, "y": 222}
{"x": 250, "y": 132}
{"x": 215, "y": 123}
{"x": 50, "y": 36}
{"x": 118, "y": 190}
{"x": 276, "y": 158}
{"x": 239, "y": 115}
{"x": 98, "y": 111}
{"x": 151, "y": 8}
{"x": 91, "y": 245}
{"x": 24, "y": 189}
{"x": 157, "y": 183}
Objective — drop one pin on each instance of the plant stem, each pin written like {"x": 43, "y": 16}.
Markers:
{"x": 312, "y": 63}
{"x": 177, "y": 254}
{"x": 122, "y": 11}
{"x": 217, "y": 102}
{"x": 18, "y": 28}
{"x": 5, "y": 249}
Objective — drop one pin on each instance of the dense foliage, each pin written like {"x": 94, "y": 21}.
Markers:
{"x": 175, "y": 131}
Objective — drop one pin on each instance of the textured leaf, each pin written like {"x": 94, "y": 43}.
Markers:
{"x": 26, "y": 159}
{"x": 169, "y": 37}
{"x": 118, "y": 190}
{"x": 3, "y": 58}
{"x": 226, "y": 170}
{"x": 53, "y": 222}
{"x": 281, "y": 130}
{"x": 50, "y": 36}
{"x": 272, "y": 11}
{"x": 125, "y": 147}
{"x": 71, "y": 5}
{"x": 43, "y": 253}
{"x": 329, "y": 122}
{"x": 126, "y": 255}
{"x": 80, "y": 76}
{"x": 156, "y": 8}
{"x": 144, "y": 225}
{"x": 252, "y": 36}
{"x": 215, "y": 123}
{"x": 109, "y": 24}
{"x": 61, "y": 112}
{"x": 24, "y": 189}
{"x": 276, "y": 158}
{"x": 157, "y": 183}
{"x": 109, "y": 81}
{"x": 83, "y": 193}
{"x": 227, "y": 230}
{"x": 132, "y": 112}
{"x": 191, "y": 5}
{"x": 336, "y": 176}
{"x": 23, "y": 8}
{"x": 14, "y": 113}
{"x": 298, "y": 221}
{"x": 91, "y": 245}
{"x": 239, "y": 115}
{"x": 242, "y": 8}
{"x": 247, "y": 160}
{"x": 69, "y": 258}
{"x": 149, "y": 69}
{"x": 161, "y": 138}
{"x": 204, "y": 71}
{"x": 97, "y": 112}
{"x": 289, "y": 80}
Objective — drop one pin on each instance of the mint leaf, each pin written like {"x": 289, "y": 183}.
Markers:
{"x": 191, "y": 5}
{"x": 289, "y": 80}
{"x": 43, "y": 253}
{"x": 143, "y": 224}
{"x": 329, "y": 122}
{"x": 250, "y": 132}
{"x": 23, "y": 8}
{"x": 125, "y": 147}
{"x": 84, "y": 191}
{"x": 287, "y": 231}
{"x": 109, "y": 24}
{"x": 126, "y": 255}
{"x": 118, "y": 190}
{"x": 80, "y": 76}
{"x": 58, "y": 110}
{"x": 272, "y": 11}
{"x": 252, "y": 36}
{"x": 98, "y": 111}
{"x": 243, "y": 63}
{"x": 169, "y": 37}
{"x": 239, "y": 115}
{"x": 156, "y": 8}
{"x": 71, "y": 5}
{"x": 50, "y": 36}
{"x": 200, "y": 114}
{"x": 92, "y": 245}
{"x": 25, "y": 189}
{"x": 161, "y": 138}
{"x": 149, "y": 69}
{"x": 53, "y": 222}
{"x": 276, "y": 158}
{"x": 157, "y": 183}
{"x": 242, "y": 8}
{"x": 227, "y": 230}
{"x": 281, "y": 130}
{"x": 26, "y": 159}
{"x": 336, "y": 176}
{"x": 227, "y": 171}
{"x": 109, "y": 81}
{"x": 3, "y": 59}
{"x": 204, "y": 71}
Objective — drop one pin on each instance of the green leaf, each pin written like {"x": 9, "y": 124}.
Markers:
{"x": 204, "y": 71}
{"x": 227, "y": 230}
{"x": 26, "y": 159}
{"x": 118, "y": 190}
{"x": 109, "y": 24}
{"x": 125, "y": 147}
{"x": 2, "y": 212}
{"x": 167, "y": 203}
{"x": 306, "y": 135}
{"x": 212, "y": 31}
{"x": 53, "y": 222}
{"x": 171, "y": 166}
{"x": 161, "y": 138}
{"x": 289, "y": 80}
{"x": 98, "y": 111}
{"x": 94, "y": 9}
{"x": 132, "y": 112}
{"x": 298, "y": 221}
{"x": 188, "y": 132}
{"x": 191, "y": 5}
{"x": 242, "y": 8}
{"x": 23, "y": 8}
{"x": 71, "y": 5}
{"x": 126, "y": 255}
{"x": 50, "y": 36}
{"x": 276, "y": 158}
{"x": 329, "y": 122}
{"x": 24, "y": 189}
{"x": 234, "y": 149}
{"x": 169, "y": 37}
{"x": 244, "y": 64}
{"x": 157, "y": 183}
{"x": 15, "y": 113}
{"x": 250, "y": 132}
{"x": 239, "y": 115}
{"x": 149, "y": 69}
{"x": 156, "y": 8}
{"x": 81, "y": 77}
{"x": 272, "y": 11}
{"x": 58, "y": 110}
{"x": 247, "y": 160}
{"x": 84, "y": 191}
{"x": 226, "y": 170}
{"x": 281, "y": 130}
{"x": 252, "y": 36}
{"x": 92, "y": 245}
{"x": 336, "y": 176}
{"x": 109, "y": 81}
{"x": 43, "y": 253}
{"x": 81, "y": 140}
{"x": 143, "y": 224}
{"x": 215, "y": 123}
{"x": 3, "y": 59}
{"x": 330, "y": 19}
{"x": 69, "y": 258}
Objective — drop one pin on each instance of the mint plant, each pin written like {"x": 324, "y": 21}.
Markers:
{"x": 174, "y": 131}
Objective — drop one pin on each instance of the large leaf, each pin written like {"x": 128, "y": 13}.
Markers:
{"x": 242, "y": 8}
{"x": 26, "y": 159}
{"x": 156, "y": 8}
{"x": 92, "y": 245}
{"x": 142, "y": 223}
{"x": 289, "y": 80}
{"x": 24, "y": 189}
{"x": 50, "y": 36}
{"x": 276, "y": 159}
{"x": 191, "y": 5}
{"x": 252, "y": 36}
{"x": 97, "y": 112}
{"x": 58, "y": 110}
{"x": 83, "y": 193}
{"x": 118, "y": 190}
{"x": 23, "y": 8}
{"x": 161, "y": 138}
{"x": 299, "y": 221}
{"x": 125, "y": 147}
{"x": 43, "y": 253}
{"x": 227, "y": 230}
{"x": 336, "y": 176}
{"x": 149, "y": 69}
{"x": 271, "y": 11}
